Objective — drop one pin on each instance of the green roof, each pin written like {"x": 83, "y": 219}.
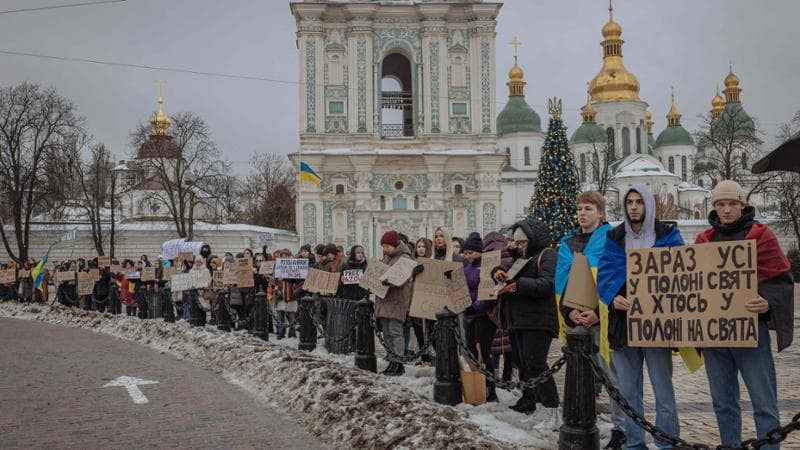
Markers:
{"x": 588, "y": 132}
{"x": 742, "y": 122}
{"x": 517, "y": 116}
{"x": 651, "y": 143}
{"x": 674, "y": 136}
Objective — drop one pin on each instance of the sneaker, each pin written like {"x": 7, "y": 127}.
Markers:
{"x": 390, "y": 368}
{"x": 617, "y": 440}
{"x": 398, "y": 370}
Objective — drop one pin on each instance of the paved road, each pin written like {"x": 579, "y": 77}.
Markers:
{"x": 52, "y": 396}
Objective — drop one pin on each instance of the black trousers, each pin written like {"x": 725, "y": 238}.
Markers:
{"x": 529, "y": 349}
{"x": 479, "y": 334}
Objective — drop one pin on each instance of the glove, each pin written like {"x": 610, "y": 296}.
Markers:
{"x": 385, "y": 283}
{"x": 500, "y": 275}
{"x": 417, "y": 270}
{"x": 510, "y": 287}
{"x": 448, "y": 274}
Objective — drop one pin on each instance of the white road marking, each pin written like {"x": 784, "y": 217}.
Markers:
{"x": 132, "y": 385}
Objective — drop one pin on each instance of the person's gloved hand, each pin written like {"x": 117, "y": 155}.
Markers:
{"x": 417, "y": 270}
{"x": 448, "y": 274}
{"x": 510, "y": 287}
{"x": 385, "y": 283}
{"x": 500, "y": 275}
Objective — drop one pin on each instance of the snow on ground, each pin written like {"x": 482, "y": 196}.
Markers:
{"x": 345, "y": 406}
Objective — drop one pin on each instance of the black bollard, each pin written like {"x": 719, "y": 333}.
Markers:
{"x": 223, "y": 316}
{"x": 308, "y": 333}
{"x": 447, "y": 388}
{"x": 365, "y": 337}
{"x": 260, "y": 316}
{"x": 114, "y": 305}
{"x": 579, "y": 429}
{"x": 190, "y": 296}
{"x": 166, "y": 305}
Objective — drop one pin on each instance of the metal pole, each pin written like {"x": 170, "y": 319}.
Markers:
{"x": 308, "y": 333}
{"x": 365, "y": 337}
{"x": 447, "y": 387}
{"x": 260, "y": 316}
{"x": 579, "y": 429}
{"x": 223, "y": 317}
{"x": 166, "y": 305}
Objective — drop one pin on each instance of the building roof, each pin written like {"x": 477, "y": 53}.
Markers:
{"x": 639, "y": 165}
{"x": 158, "y": 146}
{"x": 517, "y": 116}
{"x": 674, "y": 135}
{"x": 589, "y": 132}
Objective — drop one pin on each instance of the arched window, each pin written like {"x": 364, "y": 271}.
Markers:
{"x": 339, "y": 189}
{"x": 583, "y": 166}
{"x": 416, "y": 202}
{"x": 638, "y": 140}
{"x": 744, "y": 161}
{"x": 527, "y": 156}
{"x": 671, "y": 164}
{"x": 684, "y": 169}
{"x": 626, "y": 141}
{"x": 383, "y": 203}
{"x": 458, "y": 189}
{"x": 397, "y": 108}
{"x": 611, "y": 143}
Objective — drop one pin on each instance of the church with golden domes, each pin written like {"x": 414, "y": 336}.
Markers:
{"x": 614, "y": 146}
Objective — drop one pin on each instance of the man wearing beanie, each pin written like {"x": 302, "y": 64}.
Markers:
{"x": 392, "y": 309}
{"x": 733, "y": 220}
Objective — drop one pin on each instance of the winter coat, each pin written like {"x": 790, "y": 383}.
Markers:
{"x": 501, "y": 342}
{"x": 102, "y": 287}
{"x": 775, "y": 281}
{"x": 533, "y": 306}
{"x": 479, "y": 308}
{"x": 398, "y": 299}
{"x": 354, "y": 291}
{"x": 127, "y": 290}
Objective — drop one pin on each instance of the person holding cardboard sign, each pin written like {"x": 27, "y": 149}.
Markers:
{"x": 528, "y": 310}
{"x": 391, "y": 310}
{"x": 733, "y": 220}
{"x": 576, "y": 291}
{"x": 640, "y": 229}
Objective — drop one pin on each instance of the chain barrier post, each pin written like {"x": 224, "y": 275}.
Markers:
{"x": 113, "y": 299}
{"x": 365, "y": 338}
{"x": 223, "y": 313}
{"x": 447, "y": 388}
{"x": 308, "y": 332}
{"x": 190, "y": 296}
{"x": 579, "y": 429}
{"x": 260, "y": 316}
{"x": 166, "y": 305}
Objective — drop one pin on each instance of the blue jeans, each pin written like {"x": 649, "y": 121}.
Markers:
{"x": 629, "y": 362}
{"x": 723, "y": 366}
{"x": 285, "y": 320}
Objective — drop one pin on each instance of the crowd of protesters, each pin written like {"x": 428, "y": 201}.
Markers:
{"x": 520, "y": 325}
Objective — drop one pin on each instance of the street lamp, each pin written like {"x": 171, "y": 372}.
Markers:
{"x": 121, "y": 168}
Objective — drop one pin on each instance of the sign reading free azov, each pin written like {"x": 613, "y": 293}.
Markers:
{"x": 693, "y": 296}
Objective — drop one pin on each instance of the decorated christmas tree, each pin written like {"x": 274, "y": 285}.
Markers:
{"x": 553, "y": 200}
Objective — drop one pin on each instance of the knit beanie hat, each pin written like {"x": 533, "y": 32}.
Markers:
{"x": 391, "y": 238}
{"x": 728, "y": 190}
{"x": 473, "y": 242}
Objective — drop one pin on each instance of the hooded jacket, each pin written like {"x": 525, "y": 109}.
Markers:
{"x": 354, "y": 291}
{"x": 398, "y": 299}
{"x": 612, "y": 268}
{"x": 532, "y": 306}
{"x": 775, "y": 281}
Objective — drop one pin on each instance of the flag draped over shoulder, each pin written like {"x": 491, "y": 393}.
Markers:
{"x": 592, "y": 251}
{"x": 308, "y": 174}
{"x": 612, "y": 271}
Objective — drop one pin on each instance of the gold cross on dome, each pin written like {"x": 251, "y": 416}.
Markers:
{"x": 516, "y": 43}
{"x": 160, "y": 84}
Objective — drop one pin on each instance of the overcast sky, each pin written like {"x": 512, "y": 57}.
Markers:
{"x": 683, "y": 43}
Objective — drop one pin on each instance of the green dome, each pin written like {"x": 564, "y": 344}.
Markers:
{"x": 588, "y": 132}
{"x": 651, "y": 143}
{"x": 674, "y": 136}
{"x": 742, "y": 122}
{"x": 517, "y": 117}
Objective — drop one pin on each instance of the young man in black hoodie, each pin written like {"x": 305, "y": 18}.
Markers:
{"x": 733, "y": 220}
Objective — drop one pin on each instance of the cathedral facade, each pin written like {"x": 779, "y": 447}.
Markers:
{"x": 397, "y": 117}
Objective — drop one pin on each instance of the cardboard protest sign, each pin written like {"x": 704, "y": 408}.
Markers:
{"x": 291, "y": 268}
{"x": 195, "y": 279}
{"x": 244, "y": 279}
{"x": 693, "y": 296}
{"x": 115, "y": 268}
{"x": 266, "y": 268}
{"x": 244, "y": 264}
{"x": 62, "y": 277}
{"x": 217, "y": 279}
{"x": 400, "y": 272}
{"x": 512, "y": 272}
{"x": 229, "y": 274}
{"x": 371, "y": 279}
{"x": 352, "y": 276}
{"x": 489, "y": 261}
{"x": 85, "y": 283}
{"x": 148, "y": 274}
{"x": 103, "y": 261}
{"x": 24, "y": 274}
{"x": 433, "y": 290}
{"x": 322, "y": 282}
{"x": 184, "y": 256}
{"x": 581, "y": 291}
{"x": 94, "y": 274}
{"x": 167, "y": 273}
{"x": 8, "y": 276}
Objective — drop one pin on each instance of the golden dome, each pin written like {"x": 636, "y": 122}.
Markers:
{"x": 614, "y": 82}
{"x": 648, "y": 118}
{"x": 732, "y": 89}
{"x": 588, "y": 113}
{"x": 160, "y": 121}
{"x": 731, "y": 81}
{"x": 515, "y": 73}
{"x": 673, "y": 116}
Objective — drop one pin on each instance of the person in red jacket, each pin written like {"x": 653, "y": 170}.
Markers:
{"x": 127, "y": 291}
{"x": 733, "y": 220}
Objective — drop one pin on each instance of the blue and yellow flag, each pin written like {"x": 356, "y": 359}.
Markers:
{"x": 307, "y": 174}
{"x": 37, "y": 273}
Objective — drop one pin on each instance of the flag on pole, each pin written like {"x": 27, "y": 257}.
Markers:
{"x": 37, "y": 273}
{"x": 307, "y": 174}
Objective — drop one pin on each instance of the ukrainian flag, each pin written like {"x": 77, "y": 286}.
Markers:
{"x": 307, "y": 174}
{"x": 38, "y": 272}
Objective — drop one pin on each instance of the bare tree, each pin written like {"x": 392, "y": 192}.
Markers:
{"x": 33, "y": 123}
{"x": 666, "y": 207}
{"x": 184, "y": 165}
{"x": 787, "y": 191}
{"x": 602, "y": 158}
{"x": 727, "y": 140}
{"x": 269, "y": 183}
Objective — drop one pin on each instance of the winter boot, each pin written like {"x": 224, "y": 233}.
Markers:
{"x": 398, "y": 370}
{"x": 617, "y": 440}
{"x": 390, "y": 368}
{"x": 491, "y": 394}
{"x": 526, "y": 404}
